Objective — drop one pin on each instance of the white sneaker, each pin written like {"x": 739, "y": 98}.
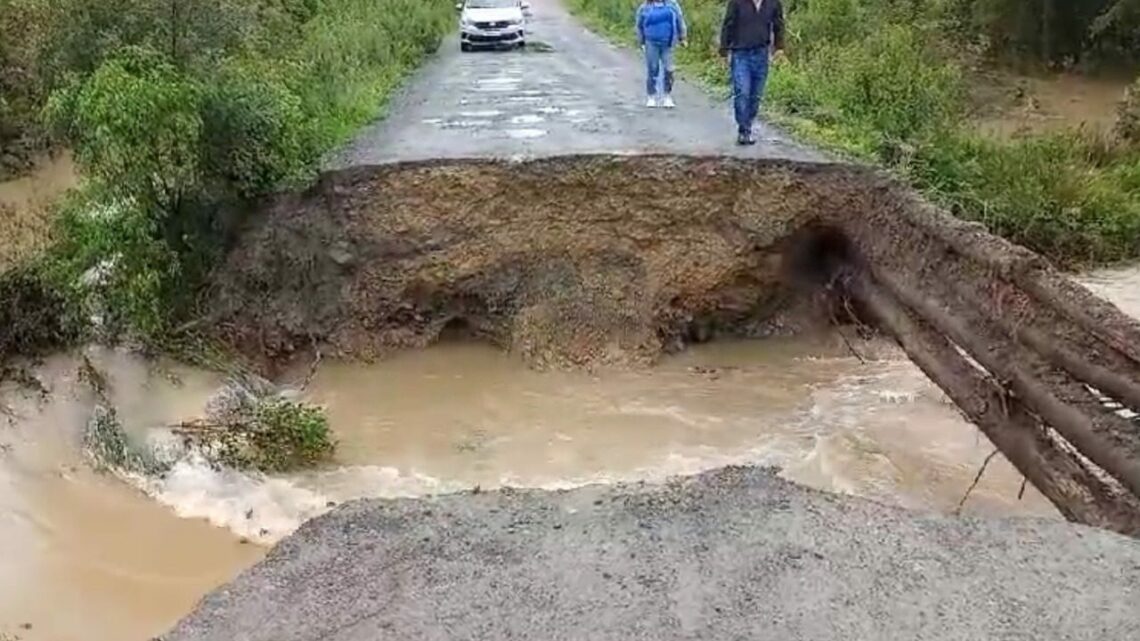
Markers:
{"x": 667, "y": 102}
{"x": 651, "y": 102}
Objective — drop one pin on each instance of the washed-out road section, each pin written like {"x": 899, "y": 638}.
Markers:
{"x": 731, "y": 554}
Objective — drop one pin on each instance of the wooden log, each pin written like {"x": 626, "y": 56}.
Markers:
{"x": 1034, "y": 275}
{"x": 1078, "y": 492}
{"x": 1122, "y": 388}
{"x": 1074, "y": 425}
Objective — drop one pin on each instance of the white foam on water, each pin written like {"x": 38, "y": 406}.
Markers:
{"x": 527, "y": 119}
{"x": 261, "y": 509}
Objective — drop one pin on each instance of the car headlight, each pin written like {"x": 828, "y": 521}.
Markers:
{"x": 465, "y": 21}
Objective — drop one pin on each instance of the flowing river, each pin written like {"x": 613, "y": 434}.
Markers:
{"x": 91, "y": 556}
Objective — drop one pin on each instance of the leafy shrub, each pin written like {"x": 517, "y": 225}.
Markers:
{"x": 1051, "y": 193}
{"x": 880, "y": 80}
{"x": 181, "y": 115}
{"x": 135, "y": 127}
{"x": 250, "y": 426}
{"x": 287, "y": 435}
{"x": 36, "y": 315}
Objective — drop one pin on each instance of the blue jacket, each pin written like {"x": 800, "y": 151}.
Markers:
{"x": 660, "y": 22}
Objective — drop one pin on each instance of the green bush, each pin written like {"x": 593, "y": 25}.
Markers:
{"x": 882, "y": 81}
{"x": 135, "y": 127}
{"x": 181, "y": 115}
{"x": 289, "y": 435}
{"x": 37, "y": 315}
{"x": 1054, "y": 193}
{"x": 251, "y": 426}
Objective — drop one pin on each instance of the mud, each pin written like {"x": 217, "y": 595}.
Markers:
{"x": 568, "y": 262}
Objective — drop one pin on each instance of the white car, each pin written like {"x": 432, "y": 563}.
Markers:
{"x": 492, "y": 23}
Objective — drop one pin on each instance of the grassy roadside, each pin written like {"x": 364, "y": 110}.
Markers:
{"x": 181, "y": 117}
{"x": 877, "y": 81}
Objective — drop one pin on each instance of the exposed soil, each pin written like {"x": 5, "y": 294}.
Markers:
{"x": 602, "y": 260}
{"x": 568, "y": 262}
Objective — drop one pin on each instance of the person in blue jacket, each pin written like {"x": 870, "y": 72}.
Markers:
{"x": 660, "y": 28}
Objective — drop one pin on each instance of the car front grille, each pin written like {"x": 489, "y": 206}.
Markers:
{"x": 506, "y": 37}
{"x": 492, "y": 25}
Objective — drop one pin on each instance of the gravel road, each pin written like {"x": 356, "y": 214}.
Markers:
{"x": 585, "y": 95}
{"x": 731, "y": 554}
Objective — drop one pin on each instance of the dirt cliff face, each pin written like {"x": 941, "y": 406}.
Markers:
{"x": 568, "y": 262}
{"x": 599, "y": 260}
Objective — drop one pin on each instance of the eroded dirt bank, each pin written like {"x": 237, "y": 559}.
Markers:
{"x": 731, "y": 554}
{"x": 568, "y": 261}
{"x": 601, "y": 260}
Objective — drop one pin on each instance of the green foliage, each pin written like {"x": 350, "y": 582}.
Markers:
{"x": 113, "y": 266}
{"x": 1056, "y": 32}
{"x": 135, "y": 127}
{"x": 182, "y": 114}
{"x": 288, "y": 435}
{"x": 37, "y": 314}
{"x": 252, "y": 427}
{"x": 1054, "y": 193}
{"x": 880, "y": 80}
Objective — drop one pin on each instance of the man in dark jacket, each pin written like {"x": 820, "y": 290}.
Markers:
{"x": 752, "y": 29}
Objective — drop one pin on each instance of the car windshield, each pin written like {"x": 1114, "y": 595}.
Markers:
{"x": 491, "y": 4}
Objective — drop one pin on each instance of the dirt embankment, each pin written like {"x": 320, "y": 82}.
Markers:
{"x": 596, "y": 260}
{"x": 568, "y": 261}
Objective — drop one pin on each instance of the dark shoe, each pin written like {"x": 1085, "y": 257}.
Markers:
{"x": 745, "y": 139}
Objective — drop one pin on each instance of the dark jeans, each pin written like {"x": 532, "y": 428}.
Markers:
{"x": 658, "y": 61}
{"x": 749, "y": 75}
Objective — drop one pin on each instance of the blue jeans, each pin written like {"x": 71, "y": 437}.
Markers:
{"x": 749, "y": 75}
{"x": 658, "y": 62}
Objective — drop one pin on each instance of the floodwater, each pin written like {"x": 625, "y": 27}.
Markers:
{"x": 95, "y": 556}
{"x": 25, "y": 206}
{"x": 1019, "y": 105}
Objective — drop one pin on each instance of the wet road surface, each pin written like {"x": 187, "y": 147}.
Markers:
{"x": 583, "y": 95}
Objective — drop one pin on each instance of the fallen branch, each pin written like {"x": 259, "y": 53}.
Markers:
{"x": 977, "y": 478}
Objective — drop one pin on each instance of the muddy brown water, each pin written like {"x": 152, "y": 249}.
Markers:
{"x": 1034, "y": 105}
{"x": 93, "y": 556}
{"x": 25, "y": 206}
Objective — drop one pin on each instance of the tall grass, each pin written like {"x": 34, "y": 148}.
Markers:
{"x": 880, "y": 81}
